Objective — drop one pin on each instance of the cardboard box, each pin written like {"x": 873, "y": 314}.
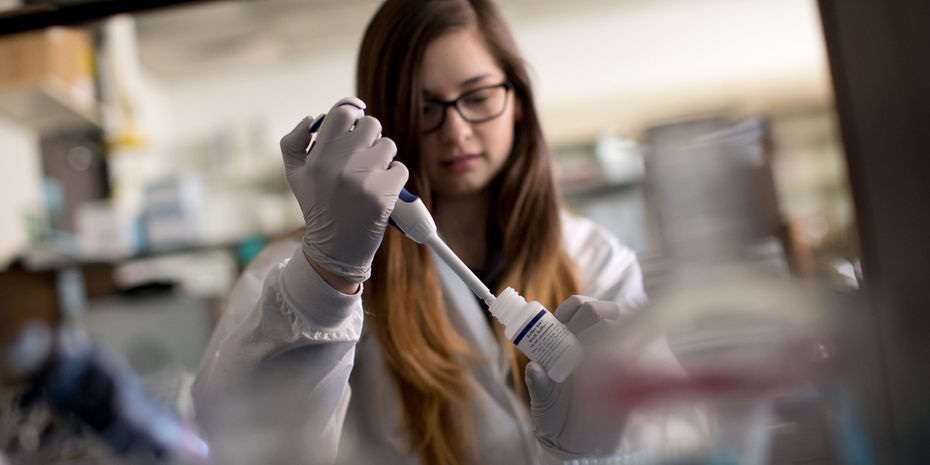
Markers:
{"x": 57, "y": 53}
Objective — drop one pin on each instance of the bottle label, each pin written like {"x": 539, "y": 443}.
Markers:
{"x": 544, "y": 339}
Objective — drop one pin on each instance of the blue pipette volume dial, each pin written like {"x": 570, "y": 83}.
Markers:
{"x": 406, "y": 196}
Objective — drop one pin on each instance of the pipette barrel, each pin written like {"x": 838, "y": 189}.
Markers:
{"x": 460, "y": 269}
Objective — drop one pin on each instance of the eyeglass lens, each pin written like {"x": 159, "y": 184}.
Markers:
{"x": 475, "y": 106}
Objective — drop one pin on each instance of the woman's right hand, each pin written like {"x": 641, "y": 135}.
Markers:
{"x": 346, "y": 185}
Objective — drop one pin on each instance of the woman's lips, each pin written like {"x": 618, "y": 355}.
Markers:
{"x": 460, "y": 163}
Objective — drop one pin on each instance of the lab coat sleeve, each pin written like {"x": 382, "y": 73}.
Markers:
{"x": 608, "y": 270}
{"x": 273, "y": 386}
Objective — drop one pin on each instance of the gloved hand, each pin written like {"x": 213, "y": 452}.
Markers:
{"x": 346, "y": 185}
{"x": 568, "y": 425}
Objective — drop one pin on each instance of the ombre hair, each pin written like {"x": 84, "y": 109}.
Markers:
{"x": 423, "y": 352}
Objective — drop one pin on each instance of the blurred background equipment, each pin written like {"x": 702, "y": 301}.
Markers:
{"x": 710, "y": 185}
{"x": 86, "y": 389}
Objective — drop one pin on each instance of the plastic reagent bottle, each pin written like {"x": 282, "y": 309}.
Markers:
{"x": 538, "y": 334}
{"x": 532, "y": 328}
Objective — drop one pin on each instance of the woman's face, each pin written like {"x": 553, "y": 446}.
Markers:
{"x": 462, "y": 158}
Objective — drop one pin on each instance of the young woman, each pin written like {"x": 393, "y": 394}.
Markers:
{"x": 293, "y": 373}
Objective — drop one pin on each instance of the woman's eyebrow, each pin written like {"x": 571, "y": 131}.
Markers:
{"x": 462, "y": 85}
{"x": 474, "y": 80}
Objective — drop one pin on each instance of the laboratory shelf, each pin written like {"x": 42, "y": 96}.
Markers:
{"x": 47, "y": 107}
{"x": 596, "y": 188}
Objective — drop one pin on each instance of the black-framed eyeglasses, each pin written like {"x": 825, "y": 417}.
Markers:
{"x": 475, "y": 106}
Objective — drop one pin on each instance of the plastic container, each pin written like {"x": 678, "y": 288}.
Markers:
{"x": 538, "y": 334}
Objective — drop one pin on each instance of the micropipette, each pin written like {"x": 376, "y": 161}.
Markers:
{"x": 413, "y": 220}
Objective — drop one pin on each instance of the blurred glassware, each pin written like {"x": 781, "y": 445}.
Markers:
{"x": 620, "y": 158}
{"x": 762, "y": 357}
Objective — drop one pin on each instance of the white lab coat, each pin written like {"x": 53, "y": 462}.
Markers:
{"x": 334, "y": 397}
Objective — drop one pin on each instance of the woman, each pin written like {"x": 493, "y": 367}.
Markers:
{"x": 428, "y": 377}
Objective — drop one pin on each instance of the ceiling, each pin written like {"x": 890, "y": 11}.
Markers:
{"x": 225, "y": 36}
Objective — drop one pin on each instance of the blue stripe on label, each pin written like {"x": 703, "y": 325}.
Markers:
{"x": 526, "y": 329}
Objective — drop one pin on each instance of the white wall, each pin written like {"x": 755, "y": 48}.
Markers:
{"x": 20, "y": 186}
{"x": 280, "y": 95}
{"x": 616, "y": 66}
{"x": 630, "y": 65}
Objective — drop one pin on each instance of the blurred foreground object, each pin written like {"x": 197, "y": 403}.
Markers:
{"x": 769, "y": 362}
{"x": 74, "y": 388}
{"x": 766, "y": 361}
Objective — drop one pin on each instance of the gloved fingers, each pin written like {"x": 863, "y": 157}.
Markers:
{"x": 541, "y": 388}
{"x": 368, "y": 129}
{"x": 567, "y": 309}
{"x": 395, "y": 176}
{"x": 376, "y": 158}
{"x": 317, "y": 122}
{"x": 294, "y": 144}
{"x": 384, "y": 151}
{"x": 590, "y": 313}
{"x": 352, "y": 101}
{"x": 340, "y": 120}
{"x": 597, "y": 331}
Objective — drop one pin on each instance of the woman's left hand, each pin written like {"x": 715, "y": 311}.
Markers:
{"x": 563, "y": 421}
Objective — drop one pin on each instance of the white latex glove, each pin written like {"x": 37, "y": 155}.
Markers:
{"x": 567, "y": 425}
{"x": 346, "y": 185}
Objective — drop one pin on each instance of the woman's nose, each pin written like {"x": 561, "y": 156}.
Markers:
{"x": 455, "y": 129}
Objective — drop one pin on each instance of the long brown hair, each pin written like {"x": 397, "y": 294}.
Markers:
{"x": 421, "y": 349}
